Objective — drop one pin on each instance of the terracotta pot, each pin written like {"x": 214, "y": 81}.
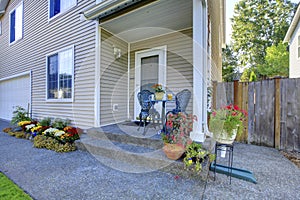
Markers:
{"x": 173, "y": 151}
{"x": 159, "y": 95}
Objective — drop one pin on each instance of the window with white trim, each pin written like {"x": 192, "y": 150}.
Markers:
{"x": 298, "y": 46}
{"x": 16, "y": 24}
{"x": 60, "y": 74}
{"x": 59, "y": 6}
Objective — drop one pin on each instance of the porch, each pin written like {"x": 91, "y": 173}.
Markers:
{"x": 147, "y": 42}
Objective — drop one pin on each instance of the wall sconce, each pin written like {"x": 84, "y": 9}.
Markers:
{"x": 117, "y": 52}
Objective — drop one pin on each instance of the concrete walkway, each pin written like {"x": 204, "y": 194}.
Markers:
{"x": 45, "y": 174}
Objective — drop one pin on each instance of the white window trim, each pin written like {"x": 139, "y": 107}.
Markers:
{"x": 298, "y": 46}
{"x": 59, "y": 14}
{"x": 73, "y": 77}
{"x": 16, "y": 40}
{"x": 0, "y": 27}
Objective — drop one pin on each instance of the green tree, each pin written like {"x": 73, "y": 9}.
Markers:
{"x": 276, "y": 61}
{"x": 257, "y": 25}
{"x": 229, "y": 64}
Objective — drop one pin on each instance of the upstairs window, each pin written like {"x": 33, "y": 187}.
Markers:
{"x": 16, "y": 23}
{"x": 60, "y": 74}
{"x": 59, "y": 6}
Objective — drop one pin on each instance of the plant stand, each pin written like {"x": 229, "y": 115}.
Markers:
{"x": 228, "y": 148}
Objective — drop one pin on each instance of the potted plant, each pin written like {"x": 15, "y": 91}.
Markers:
{"x": 225, "y": 123}
{"x": 195, "y": 156}
{"x": 176, "y": 135}
{"x": 159, "y": 92}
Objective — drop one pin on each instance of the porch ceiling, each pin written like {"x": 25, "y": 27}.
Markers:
{"x": 157, "y": 18}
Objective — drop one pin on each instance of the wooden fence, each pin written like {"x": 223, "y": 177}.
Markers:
{"x": 273, "y": 108}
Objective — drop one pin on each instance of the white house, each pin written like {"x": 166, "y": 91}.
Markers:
{"x": 86, "y": 59}
{"x": 293, "y": 38}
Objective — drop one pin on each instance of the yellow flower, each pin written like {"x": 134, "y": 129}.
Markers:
{"x": 21, "y": 123}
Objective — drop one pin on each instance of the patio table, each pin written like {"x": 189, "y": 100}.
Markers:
{"x": 163, "y": 110}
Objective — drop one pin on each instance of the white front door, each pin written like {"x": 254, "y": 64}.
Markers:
{"x": 150, "y": 69}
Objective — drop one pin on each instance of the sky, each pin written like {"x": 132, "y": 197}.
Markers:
{"x": 229, "y": 13}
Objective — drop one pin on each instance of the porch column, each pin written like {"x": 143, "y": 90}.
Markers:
{"x": 199, "y": 69}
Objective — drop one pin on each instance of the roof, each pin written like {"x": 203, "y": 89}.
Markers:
{"x": 293, "y": 25}
{"x": 3, "y": 4}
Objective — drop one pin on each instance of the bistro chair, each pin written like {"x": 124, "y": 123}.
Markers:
{"x": 144, "y": 98}
{"x": 182, "y": 99}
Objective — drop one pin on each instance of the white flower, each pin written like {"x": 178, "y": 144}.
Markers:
{"x": 51, "y": 130}
{"x": 59, "y": 133}
{"x": 28, "y": 127}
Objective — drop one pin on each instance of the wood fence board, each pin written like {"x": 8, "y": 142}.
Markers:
{"x": 256, "y": 134}
{"x": 283, "y": 129}
{"x": 251, "y": 115}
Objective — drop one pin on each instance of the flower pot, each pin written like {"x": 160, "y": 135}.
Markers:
{"x": 225, "y": 138}
{"x": 159, "y": 95}
{"x": 173, "y": 151}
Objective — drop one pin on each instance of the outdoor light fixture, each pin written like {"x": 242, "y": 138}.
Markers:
{"x": 117, "y": 52}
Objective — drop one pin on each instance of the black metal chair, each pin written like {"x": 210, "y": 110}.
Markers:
{"x": 144, "y": 98}
{"x": 182, "y": 99}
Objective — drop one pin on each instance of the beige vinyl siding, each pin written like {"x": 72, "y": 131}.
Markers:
{"x": 42, "y": 37}
{"x": 179, "y": 63}
{"x": 294, "y": 71}
{"x": 113, "y": 80}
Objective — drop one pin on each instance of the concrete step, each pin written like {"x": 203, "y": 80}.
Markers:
{"x": 130, "y": 153}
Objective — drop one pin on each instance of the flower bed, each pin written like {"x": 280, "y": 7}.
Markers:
{"x": 57, "y": 135}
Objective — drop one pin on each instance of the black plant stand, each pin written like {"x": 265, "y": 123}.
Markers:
{"x": 229, "y": 149}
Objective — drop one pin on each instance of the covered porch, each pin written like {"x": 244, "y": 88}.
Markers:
{"x": 140, "y": 43}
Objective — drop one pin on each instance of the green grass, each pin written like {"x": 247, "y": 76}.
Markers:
{"x": 9, "y": 190}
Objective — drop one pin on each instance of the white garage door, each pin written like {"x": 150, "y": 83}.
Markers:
{"x": 14, "y": 92}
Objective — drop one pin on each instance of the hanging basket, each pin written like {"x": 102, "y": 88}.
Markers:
{"x": 173, "y": 151}
{"x": 225, "y": 138}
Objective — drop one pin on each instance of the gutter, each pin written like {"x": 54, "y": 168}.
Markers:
{"x": 113, "y": 8}
{"x": 292, "y": 26}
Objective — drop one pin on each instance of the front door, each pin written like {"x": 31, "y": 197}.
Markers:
{"x": 150, "y": 69}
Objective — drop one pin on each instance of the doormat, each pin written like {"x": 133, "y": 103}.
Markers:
{"x": 135, "y": 123}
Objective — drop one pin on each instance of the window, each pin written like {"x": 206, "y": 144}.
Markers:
{"x": 59, "y": 6}
{"x": 16, "y": 23}
{"x": 60, "y": 68}
{"x": 298, "y": 46}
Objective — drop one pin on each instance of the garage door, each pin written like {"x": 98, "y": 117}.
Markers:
{"x": 14, "y": 92}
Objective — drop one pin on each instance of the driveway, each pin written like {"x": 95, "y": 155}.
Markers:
{"x": 47, "y": 175}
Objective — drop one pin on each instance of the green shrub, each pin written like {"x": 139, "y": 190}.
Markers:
{"x": 60, "y": 123}
{"x": 50, "y": 143}
{"x": 19, "y": 114}
{"x": 45, "y": 122}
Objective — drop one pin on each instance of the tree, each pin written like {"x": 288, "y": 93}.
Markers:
{"x": 229, "y": 64}
{"x": 257, "y": 25}
{"x": 277, "y": 61}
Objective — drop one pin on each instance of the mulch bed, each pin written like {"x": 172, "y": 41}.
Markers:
{"x": 293, "y": 157}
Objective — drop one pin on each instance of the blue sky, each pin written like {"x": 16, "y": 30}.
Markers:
{"x": 229, "y": 12}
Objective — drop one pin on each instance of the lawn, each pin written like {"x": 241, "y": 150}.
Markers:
{"x": 9, "y": 190}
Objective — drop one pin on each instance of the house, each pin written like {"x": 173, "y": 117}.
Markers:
{"x": 293, "y": 38}
{"x": 86, "y": 60}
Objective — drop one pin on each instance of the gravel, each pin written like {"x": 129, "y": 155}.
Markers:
{"x": 45, "y": 174}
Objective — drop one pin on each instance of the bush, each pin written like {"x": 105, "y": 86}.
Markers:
{"x": 50, "y": 143}
{"x": 19, "y": 114}
{"x": 60, "y": 123}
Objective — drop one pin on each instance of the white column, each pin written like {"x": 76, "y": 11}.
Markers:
{"x": 199, "y": 69}
{"x": 97, "y": 76}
